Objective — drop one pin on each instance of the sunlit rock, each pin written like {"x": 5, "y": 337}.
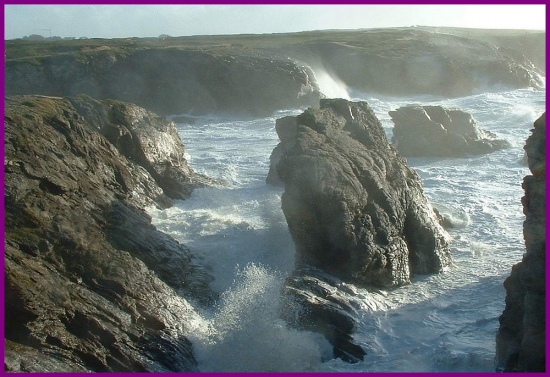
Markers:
{"x": 90, "y": 284}
{"x": 437, "y": 131}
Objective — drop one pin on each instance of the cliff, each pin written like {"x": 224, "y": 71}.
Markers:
{"x": 90, "y": 284}
{"x": 259, "y": 74}
{"x": 221, "y": 79}
{"x": 438, "y": 61}
{"x": 521, "y": 337}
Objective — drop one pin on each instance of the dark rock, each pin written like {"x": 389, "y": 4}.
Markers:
{"x": 353, "y": 207}
{"x": 90, "y": 284}
{"x": 521, "y": 337}
{"x": 437, "y": 131}
{"x": 315, "y": 301}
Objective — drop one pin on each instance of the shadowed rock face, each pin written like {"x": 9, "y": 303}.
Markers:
{"x": 353, "y": 207}
{"x": 171, "y": 80}
{"x": 90, "y": 283}
{"x": 440, "y": 132}
{"x": 521, "y": 338}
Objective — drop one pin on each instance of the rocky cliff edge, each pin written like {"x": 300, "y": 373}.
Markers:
{"x": 90, "y": 284}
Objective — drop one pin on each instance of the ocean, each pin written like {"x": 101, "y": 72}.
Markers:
{"x": 445, "y": 322}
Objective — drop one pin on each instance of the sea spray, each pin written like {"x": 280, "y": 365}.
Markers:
{"x": 330, "y": 85}
{"x": 245, "y": 332}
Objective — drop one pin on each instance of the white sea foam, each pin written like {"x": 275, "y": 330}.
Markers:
{"x": 444, "y": 322}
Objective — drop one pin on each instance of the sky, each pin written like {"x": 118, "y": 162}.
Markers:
{"x": 122, "y": 21}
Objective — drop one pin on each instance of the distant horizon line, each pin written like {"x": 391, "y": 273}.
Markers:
{"x": 283, "y": 32}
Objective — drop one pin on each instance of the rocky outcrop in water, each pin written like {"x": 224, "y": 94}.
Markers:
{"x": 219, "y": 79}
{"x": 317, "y": 301}
{"x": 356, "y": 212}
{"x": 353, "y": 207}
{"x": 440, "y": 132}
{"x": 521, "y": 338}
{"x": 90, "y": 284}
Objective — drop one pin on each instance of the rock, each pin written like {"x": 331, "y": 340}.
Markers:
{"x": 176, "y": 80}
{"x": 353, "y": 207}
{"x": 521, "y": 337}
{"x": 90, "y": 284}
{"x": 315, "y": 301}
{"x": 436, "y": 131}
{"x": 147, "y": 139}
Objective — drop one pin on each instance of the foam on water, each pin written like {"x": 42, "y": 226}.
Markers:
{"x": 443, "y": 322}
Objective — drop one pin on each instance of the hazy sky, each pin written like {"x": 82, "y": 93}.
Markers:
{"x": 120, "y": 21}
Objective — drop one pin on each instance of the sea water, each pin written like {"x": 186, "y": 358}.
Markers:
{"x": 445, "y": 322}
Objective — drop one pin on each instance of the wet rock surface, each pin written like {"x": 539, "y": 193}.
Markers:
{"x": 353, "y": 207}
{"x": 90, "y": 284}
{"x": 440, "y": 132}
{"x": 521, "y": 338}
{"x": 316, "y": 301}
{"x": 357, "y": 214}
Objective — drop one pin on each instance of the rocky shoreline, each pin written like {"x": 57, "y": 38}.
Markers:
{"x": 521, "y": 338}
{"x": 258, "y": 74}
{"x": 91, "y": 285}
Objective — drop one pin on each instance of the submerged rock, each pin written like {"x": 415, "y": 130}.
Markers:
{"x": 521, "y": 337}
{"x": 353, "y": 207}
{"x": 90, "y": 284}
{"x": 437, "y": 131}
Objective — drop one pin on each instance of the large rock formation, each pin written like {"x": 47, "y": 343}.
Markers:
{"x": 356, "y": 213}
{"x": 440, "y": 132}
{"x": 521, "y": 338}
{"x": 90, "y": 284}
{"x": 353, "y": 207}
{"x": 218, "y": 79}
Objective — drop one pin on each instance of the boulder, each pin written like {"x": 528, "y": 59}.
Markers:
{"x": 354, "y": 208}
{"x": 90, "y": 284}
{"x": 436, "y": 131}
{"x": 521, "y": 337}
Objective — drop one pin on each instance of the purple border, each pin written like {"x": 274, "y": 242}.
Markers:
{"x": 301, "y": 2}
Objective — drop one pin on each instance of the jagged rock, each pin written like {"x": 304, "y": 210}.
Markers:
{"x": 353, "y": 207}
{"x": 521, "y": 338}
{"x": 437, "y": 131}
{"x": 316, "y": 301}
{"x": 147, "y": 139}
{"x": 90, "y": 284}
